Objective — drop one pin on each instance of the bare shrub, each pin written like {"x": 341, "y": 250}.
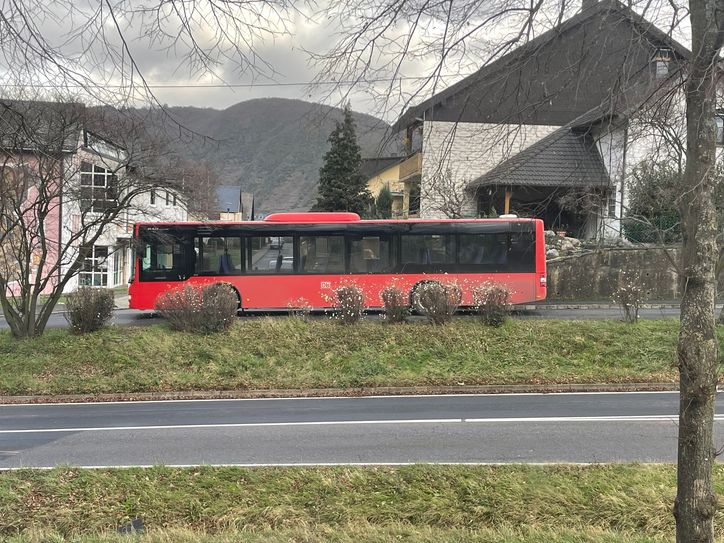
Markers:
{"x": 629, "y": 296}
{"x": 88, "y": 309}
{"x": 349, "y": 301}
{"x": 492, "y": 303}
{"x": 395, "y": 302}
{"x": 205, "y": 310}
{"x": 299, "y": 308}
{"x": 437, "y": 301}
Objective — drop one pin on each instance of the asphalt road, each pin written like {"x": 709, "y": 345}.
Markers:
{"x": 133, "y": 317}
{"x": 586, "y": 427}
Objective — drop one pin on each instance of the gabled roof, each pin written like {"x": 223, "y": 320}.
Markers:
{"x": 229, "y": 198}
{"x": 564, "y": 158}
{"x": 373, "y": 166}
{"x": 599, "y": 24}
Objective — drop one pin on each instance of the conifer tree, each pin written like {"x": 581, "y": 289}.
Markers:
{"x": 341, "y": 185}
{"x": 383, "y": 204}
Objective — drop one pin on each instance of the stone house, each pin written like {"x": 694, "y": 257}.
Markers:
{"x": 552, "y": 129}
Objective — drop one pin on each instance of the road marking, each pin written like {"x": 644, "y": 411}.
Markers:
{"x": 368, "y": 397}
{"x": 233, "y": 425}
{"x": 315, "y": 465}
{"x": 503, "y": 420}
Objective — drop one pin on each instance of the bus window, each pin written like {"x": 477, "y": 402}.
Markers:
{"x": 500, "y": 252}
{"x": 427, "y": 252}
{"x": 219, "y": 256}
{"x": 371, "y": 254}
{"x": 270, "y": 254}
{"x": 163, "y": 258}
{"x": 321, "y": 254}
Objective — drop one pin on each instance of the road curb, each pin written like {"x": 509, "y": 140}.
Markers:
{"x": 342, "y": 392}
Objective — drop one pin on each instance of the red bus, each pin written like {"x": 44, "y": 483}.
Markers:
{"x": 288, "y": 256}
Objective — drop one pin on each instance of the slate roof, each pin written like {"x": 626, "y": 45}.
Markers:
{"x": 372, "y": 166}
{"x": 229, "y": 198}
{"x": 556, "y": 76}
{"x": 565, "y": 158}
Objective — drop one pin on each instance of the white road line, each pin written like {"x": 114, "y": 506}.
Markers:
{"x": 368, "y": 397}
{"x": 501, "y": 420}
{"x": 313, "y": 465}
{"x": 230, "y": 425}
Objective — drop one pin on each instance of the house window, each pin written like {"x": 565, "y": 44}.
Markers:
{"x": 153, "y": 197}
{"x": 117, "y": 267}
{"x": 94, "y": 270}
{"x": 612, "y": 204}
{"x": 720, "y": 129}
{"x": 168, "y": 198}
{"x": 661, "y": 61}
{"x": 98, "y": 188}
{"x": 174, "y": 200}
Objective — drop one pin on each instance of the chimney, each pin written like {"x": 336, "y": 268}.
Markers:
{"x": 588, "y": 4}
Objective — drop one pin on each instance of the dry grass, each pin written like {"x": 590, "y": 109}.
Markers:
{"x": 621, "y": 503}
{"x": 353, "y": 534}
{"x": 296, "y": 353}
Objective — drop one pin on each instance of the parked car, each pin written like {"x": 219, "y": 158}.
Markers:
{"x": 276, "y": 243}
{"x": 287, "y": 264}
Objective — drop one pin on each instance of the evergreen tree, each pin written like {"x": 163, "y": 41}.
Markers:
{"x": 341, "y": 185}
{"x": 383, "y": 204}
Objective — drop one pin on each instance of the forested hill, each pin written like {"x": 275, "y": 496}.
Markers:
{"x": 272, "y": 147}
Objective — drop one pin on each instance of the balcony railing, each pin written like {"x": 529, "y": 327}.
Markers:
{"x": 411, "y": 167}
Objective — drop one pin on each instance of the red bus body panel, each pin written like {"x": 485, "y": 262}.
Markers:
{"x": 259, "y": 292}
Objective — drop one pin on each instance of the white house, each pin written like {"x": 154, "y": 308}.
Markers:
{"x": 97, "y": 164}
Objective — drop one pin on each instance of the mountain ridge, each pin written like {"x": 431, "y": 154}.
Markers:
{"x": 272, "y": 147}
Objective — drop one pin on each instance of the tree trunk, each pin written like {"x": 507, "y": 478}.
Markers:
{"x": 697, "y": 349}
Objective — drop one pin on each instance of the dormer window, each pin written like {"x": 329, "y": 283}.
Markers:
{"x": 661, "y": 62}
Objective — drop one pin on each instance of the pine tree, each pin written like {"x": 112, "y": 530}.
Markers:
{"x": 341, "y": 185}
{"x": 383, "y": 204}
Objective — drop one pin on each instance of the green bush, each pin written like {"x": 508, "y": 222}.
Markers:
{"x": 88, "y": 309}
{"x": 205, "y": 310}
{"x": 659, "y": 228}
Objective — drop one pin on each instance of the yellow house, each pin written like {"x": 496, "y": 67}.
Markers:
{"x": 385, "y": 172}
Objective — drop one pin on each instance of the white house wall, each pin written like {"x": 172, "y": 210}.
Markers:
{"x": 467, "y": 151}
{"x": 115, "y": 236}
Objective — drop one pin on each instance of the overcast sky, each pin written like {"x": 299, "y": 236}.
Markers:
{"x": 162, "y": 61}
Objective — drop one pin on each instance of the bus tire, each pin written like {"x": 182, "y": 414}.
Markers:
{"x": 415, "y": 308}
{"x": 239, "y": 308}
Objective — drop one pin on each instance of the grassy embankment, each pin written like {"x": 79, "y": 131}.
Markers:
{"x": 293, "y": 353}
{"x": 505, "y": 504}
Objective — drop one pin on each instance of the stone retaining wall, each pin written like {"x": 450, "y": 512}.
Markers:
{"x": 595, "y": 274}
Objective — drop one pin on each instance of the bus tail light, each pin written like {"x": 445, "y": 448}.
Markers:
{"x": 543, "y": 281}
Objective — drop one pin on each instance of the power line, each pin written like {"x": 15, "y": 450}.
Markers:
{"x": 221, "y": 85}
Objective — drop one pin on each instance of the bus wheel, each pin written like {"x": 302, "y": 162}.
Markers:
{"x": 415, "y": 307}
{"x": 239, "y": 308}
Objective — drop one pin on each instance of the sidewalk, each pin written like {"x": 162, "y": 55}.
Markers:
{"x": 121, "y": 300}
{"x": 572, "y": 304}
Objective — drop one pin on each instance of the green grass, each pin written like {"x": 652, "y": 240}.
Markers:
{"x": 293, "y": 353}
{"x": 616, "y": 503}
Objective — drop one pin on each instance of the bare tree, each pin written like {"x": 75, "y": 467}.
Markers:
{"x": 444, "y": 194}
{"x": 63, "y": 185}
